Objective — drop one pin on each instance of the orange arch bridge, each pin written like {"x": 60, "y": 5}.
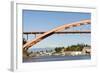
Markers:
{"x": 57, "y": 29}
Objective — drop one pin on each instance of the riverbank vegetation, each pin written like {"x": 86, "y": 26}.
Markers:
{"x": 78, "y": 47}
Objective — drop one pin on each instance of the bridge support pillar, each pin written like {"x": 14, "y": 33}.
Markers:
{"x": 35, "y": 35}
{"x": 27, "y": 36}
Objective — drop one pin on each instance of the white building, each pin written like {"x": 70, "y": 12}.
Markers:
{"x": 74, "y": 53}
{"x": 86, "y": 50}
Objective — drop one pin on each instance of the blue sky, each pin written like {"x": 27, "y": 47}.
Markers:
{"x": 46, "y": 20}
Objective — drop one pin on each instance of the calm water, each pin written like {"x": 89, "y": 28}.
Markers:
{"x": 56, "y": 58}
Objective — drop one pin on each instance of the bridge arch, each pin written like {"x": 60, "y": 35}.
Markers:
{"x": 57, "y": 29}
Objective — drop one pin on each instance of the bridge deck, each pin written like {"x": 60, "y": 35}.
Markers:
{"x": 65, "y": 32}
